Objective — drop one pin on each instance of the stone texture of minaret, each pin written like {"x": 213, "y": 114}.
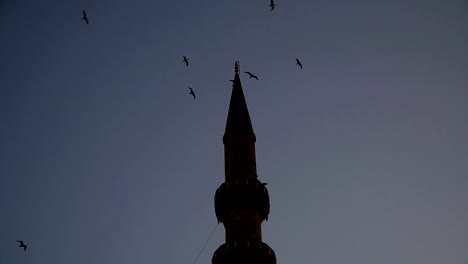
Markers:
{"x": 241, "y": 202}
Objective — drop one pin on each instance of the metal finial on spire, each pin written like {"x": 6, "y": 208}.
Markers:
{"x": 236, "y": 68}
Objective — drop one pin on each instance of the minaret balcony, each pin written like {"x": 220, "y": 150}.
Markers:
{"x": 244, "y": 252}
{"x": 241, "y": 194}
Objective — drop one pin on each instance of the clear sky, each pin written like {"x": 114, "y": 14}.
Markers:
{"x": 106, "y": 158}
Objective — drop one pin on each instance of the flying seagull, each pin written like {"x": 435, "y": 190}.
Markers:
{"x": 22, "y": 244}
{"x": 185, "y": 60}
{"x": 85, "y": 18}
{"x": 272, "y": 5}
{"x": 192, "y": 93}
{"x": 252, "y": 75}
{"x": 299, "y": 63}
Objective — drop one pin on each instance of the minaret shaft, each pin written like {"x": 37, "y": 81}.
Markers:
{"x": 240, "y": 165}
{"x": 239, "y": 158}
{"x": 243, "y": 225}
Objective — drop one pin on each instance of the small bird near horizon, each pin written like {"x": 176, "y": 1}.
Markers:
{"x": 298, "y": 63}
{"x": 85, "y": 18}
{"x": 186, "y": 61}
{"x": 251, "y": 75}
{"x": 192, "y": 93}
{"x": 272, "y": 5}
{"x": 22, "y": 244}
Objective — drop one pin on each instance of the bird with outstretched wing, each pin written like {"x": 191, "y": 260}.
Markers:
{"x": 85, "y": 18}
{"x": 22, "y": 244}
{"x": 272, "y": 5}
{"x": 251, "y": 75}
{"x": 298, "y": 63}
{"x": 185, "y": 60}
{"x": 192, "y": 93}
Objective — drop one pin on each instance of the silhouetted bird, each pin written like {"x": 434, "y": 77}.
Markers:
{"x": 231, "y": 81}
{"x": 299, "y": 63}
{"x": 22, "y": 244}
{"x": 85, "y": 18}
{"x": 251, "y": 75}
{"x": 272, "y": 5}
{"x": 186, "y": 61}
{"x": 192, "y": 93}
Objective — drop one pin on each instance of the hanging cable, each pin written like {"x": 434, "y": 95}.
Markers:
{"x": 212, "y": 233}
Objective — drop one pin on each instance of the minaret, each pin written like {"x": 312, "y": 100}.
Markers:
{"x": 241, "y": 202}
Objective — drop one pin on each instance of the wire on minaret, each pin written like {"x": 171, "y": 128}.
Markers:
{"x": 212, "y": 233}
{"x": 236, "y": 68}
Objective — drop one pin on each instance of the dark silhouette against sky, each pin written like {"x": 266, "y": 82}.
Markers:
{"x": 22, "y": 245}
{"x": 365, "y": 149}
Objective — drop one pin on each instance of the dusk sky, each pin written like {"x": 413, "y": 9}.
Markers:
{"x": 106, "y": 158}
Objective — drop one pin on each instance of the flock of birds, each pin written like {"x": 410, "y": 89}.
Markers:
{"x": 251, "y": 75}
{"x": 192, "y": 92}
{"x": 186, "y": 61}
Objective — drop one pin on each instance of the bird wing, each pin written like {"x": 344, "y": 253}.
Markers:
{"x": 84, "y": 13}
{"x": 192, "y": 93}
{"x": 271, "y": 2}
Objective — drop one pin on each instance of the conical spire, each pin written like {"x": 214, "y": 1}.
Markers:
{"x": 238, "y": 121}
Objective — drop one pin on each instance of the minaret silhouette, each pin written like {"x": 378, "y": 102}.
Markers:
{"x": 241, "y": 202}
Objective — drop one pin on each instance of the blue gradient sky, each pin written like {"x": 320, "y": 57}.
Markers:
{"x": 105, "y": 158}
